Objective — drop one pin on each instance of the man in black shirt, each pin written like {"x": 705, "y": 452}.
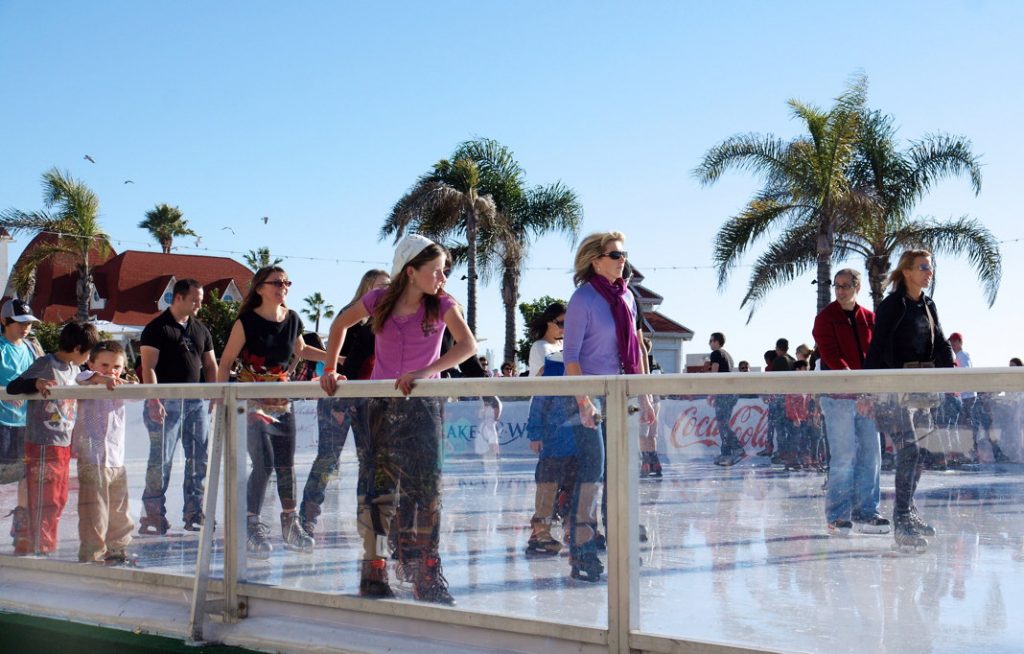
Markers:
{"x": 176, "y": 349}
{"x": 732, "y": 451}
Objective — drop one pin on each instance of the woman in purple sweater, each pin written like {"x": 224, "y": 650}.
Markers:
{"x": 600, "y": 339}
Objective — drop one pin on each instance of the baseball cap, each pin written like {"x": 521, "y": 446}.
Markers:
{"x": 17, "y": 311}
{"x": 407, "y": 249}
{"x": 956, "y": 336}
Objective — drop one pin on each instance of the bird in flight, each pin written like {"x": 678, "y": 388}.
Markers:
{"x": 265, "y": 219}
{"x": 229, "y": 229}
{"x": 199, "y": 241}
{"x": 89, "y": 159}
{"x": 128, "y": 181}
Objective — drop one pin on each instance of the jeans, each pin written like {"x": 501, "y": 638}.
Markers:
{"x": 853, "y": 486}
{"x": 185, "y": 421}
{"x": 728, "y": 443}
{"x": 589, "y": 475}
{"x": 334, "y": 418}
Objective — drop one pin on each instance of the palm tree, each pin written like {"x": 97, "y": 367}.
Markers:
{"x": 443, "y": 201}
{"x": 806, "y": 189}
{"x": 540, "y": 211}
{"x": 894, "y": 181}
{"x": 71, "y": 216}
{"x": 164, "y": 222}
{"x": 260, "y": 258}
{"x": 317, "y": 308}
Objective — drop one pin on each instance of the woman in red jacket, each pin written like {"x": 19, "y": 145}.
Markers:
{"x": 843, "y": 332}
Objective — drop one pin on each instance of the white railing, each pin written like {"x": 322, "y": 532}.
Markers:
{"x": 622, "y": 633}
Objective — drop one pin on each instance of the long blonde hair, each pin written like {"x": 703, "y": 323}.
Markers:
{"x": 366, "y": 284}
{"x": 590, "y": 250}
{"x": 896, "y": 280}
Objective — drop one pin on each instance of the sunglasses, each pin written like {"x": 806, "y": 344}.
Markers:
{"x": 843, "y": 287}
{"x": 559, "y": 323}
{"x": 280, "y": 283}
{"x": 616, "y": 254}
{"x": 925, "y": 267}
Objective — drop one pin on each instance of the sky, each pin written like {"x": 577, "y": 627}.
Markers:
{"x": 320, "y": 115}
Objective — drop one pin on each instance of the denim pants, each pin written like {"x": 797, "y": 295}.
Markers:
{"x": 334, "y": 418}
{"x": 589, "y": 475}
{"x": 185, "y": 421}
{"x": 853, "y": 485}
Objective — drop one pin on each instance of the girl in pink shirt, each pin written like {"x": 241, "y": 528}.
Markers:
{"x": 408, "y": 320}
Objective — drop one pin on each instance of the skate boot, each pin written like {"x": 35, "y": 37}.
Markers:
{"x": 584, "y": 562}
{"x": 194, "y": 521}
{"x": 840, "y": 528}
{"x": 257, "y": 544}
{"x": 874, "y": 524}
{"x": 374, "y": 580}
{"x": 430, "y": 584}
{"x": 907, "y": 538}
{"x": 919, "y": 524}
{"x": 731, "y": 459}
{"x": 120, "y": 558}
{"x": 655, "y": 466}
{"x": 541, "y": 542}
{"x": 295, "y": 537}
{"x": 153, "y": 526}
{"x": 645, "y": 464}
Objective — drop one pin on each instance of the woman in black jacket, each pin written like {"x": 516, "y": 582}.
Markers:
{"x": 907, "y": 335}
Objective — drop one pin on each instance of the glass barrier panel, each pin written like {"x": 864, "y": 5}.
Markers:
{"x": 829, "y": 522}
{"x": 446, "y": 507}
{"x": 107, "y": 482}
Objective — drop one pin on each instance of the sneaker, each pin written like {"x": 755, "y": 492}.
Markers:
{"x": 431, "y": 586}
{"x": 875, "y": 524}
{"x": 839, "y": 528}
{"x": 257, "y": 545}
{"x": 374, "y": 580}
{"x": 295, "y": 537}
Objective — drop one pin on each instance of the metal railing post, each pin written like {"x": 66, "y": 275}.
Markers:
{"x": 623, "y": 528}
{"x": 234, "y": 531}
{"x": 198, "y": 608}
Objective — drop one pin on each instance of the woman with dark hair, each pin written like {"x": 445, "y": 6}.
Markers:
{"x": 907, "y": 335}
{"x": 546, "y": 331}
{"x": 408, "y": 320}
{"x": 600, "y": 339}
{"x": 334, "y": 416}
{"x": 264, "y": 338}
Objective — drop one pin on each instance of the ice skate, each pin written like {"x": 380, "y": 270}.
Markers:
{"x": 373, "y": 581}
{"x": 153, "y": 526}
{"x": 295, "y": 537}
{"x": 840, "y": 528}
{"x": 730, "y": 459}
{"x": 257, "y": 545}
{"x": 919, "y": 524}
{"x": 121, "y": 558}
{"x": 874, "y": 524}
{"x": 584, "y": 563}
{"x": 431, "y": 586}
{"x": 541, "y": 542}
{"x": 655, "y": 466}
{"x": 907, "y": 539}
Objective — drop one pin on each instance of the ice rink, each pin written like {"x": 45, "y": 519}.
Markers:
{"x": 733, "y": 555}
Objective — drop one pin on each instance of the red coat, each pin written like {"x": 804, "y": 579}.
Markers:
{"x": 835, "y": 339}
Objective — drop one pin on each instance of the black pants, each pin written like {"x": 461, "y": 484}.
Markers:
{"x": 728, "y": 443}
{"x": 271, "y": 450}
{"x": 335, "y": 416}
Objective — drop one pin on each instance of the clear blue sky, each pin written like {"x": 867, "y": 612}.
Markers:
{"x": 321, "y": 114}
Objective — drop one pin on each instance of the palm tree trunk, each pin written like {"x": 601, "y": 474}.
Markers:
{"x": 878, "y": 270}
{"x": 84, "y": 290}
{"x": 826, "y": 240}
{"x": 471, "y": 266}
{"x": 165, "y": 244}
{"x": 510, "y": 298}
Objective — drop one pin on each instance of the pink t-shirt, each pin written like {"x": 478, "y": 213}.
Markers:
{"x": 405, "y": 344}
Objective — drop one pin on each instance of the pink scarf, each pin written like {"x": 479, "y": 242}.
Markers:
{"x": 625, "y": 329}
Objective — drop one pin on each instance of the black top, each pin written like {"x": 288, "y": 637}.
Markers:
{"x": 903, "y": 334}
{"x": 269, "y": 345}
{"x": 181, "y": 348}
{"x": 782, "y": 363}
{"x": 722, "y": 358}
{"x": 358, "y": 350}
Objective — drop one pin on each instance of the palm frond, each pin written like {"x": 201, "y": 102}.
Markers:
{"x": 740, "y": 232}
{"x": 745, "y": 152}
{"x": 788, "y": 257}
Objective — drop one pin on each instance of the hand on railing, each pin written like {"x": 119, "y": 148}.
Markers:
{"x": 329, "y": 381}
{"x": 156, "y": 411}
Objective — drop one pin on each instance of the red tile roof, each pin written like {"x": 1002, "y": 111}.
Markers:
{"x": 130, "y": 282}
{"x": 661, "y": 324}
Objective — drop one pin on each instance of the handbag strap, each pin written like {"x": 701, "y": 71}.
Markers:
{"x": 931, "y": 329}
